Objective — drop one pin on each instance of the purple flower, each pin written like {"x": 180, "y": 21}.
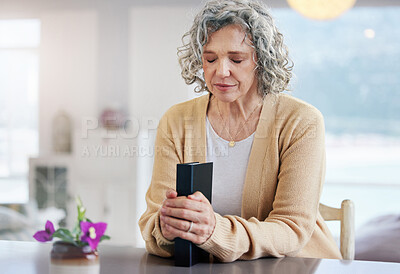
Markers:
{"x": 92, "y": 233}
{"x": 46, "y": 234}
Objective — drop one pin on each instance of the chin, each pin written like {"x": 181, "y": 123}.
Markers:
{"x": 230, "y": 97}
{"x": 226, "y": 97}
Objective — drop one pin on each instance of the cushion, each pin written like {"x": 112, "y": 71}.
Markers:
{"x": 379, "y": 239}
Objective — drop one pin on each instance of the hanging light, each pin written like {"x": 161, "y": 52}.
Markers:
{"x": 321, "y": 9}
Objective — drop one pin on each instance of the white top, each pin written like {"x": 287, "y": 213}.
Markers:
{"x": 229, "y": 171}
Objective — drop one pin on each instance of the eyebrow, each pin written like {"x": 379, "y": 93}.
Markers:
{"x": 229, "y": 52}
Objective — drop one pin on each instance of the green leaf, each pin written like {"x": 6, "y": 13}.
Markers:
{"x": 80, "y": 243}
{"x": 105, "y": 237}
{"x": 76, "y": 230}
{"x": 78, "y": 201}
{"x": 65, "y": 235}
{"x": 81, "y": 209}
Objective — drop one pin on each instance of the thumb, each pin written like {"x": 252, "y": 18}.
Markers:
{"x": 198, "y": 196}
{"x": 170, "y": 193}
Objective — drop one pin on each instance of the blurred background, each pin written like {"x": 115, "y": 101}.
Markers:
{"x": 83, "y": 84}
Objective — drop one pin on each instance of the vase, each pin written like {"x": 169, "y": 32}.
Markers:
{"x": 67, "y": 258}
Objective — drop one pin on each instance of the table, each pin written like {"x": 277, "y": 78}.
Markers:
{"x": 32, "y": 257}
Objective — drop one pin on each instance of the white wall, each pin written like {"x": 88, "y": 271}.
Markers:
{"x": 155, "y": 81}
{"x": 68, "y": 69}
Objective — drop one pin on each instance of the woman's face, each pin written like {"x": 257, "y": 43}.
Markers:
{"x": 228, "y": 64}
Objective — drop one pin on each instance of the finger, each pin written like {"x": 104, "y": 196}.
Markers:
{"x": 165, "y": 231}
{"x": 196, "y": 239}
{"x": 170, "y": 202}
{"x": 171, "y": 193}
{"x": 174, "y": 198}
{"x": 181, "y": 213}
{"x": 177, "y": 223}
{"x": 198, "y": 196}
{"x": 183, "y": 202}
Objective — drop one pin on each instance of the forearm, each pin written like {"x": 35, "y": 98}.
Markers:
{"x": 236, "y": 238}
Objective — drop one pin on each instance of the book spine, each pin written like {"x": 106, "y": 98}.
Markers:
{"x": 184, "y": 187}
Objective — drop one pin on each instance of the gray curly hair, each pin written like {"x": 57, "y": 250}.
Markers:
{"x": 273, "y": 63}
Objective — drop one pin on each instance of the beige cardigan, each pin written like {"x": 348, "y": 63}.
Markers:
{"x": 281, "y": 193}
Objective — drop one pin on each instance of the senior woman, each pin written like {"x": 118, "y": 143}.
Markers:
{"x": 267, "y": 147}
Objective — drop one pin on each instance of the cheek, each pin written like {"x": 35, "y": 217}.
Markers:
{"x": 207, "y": 73}
{"x": 252, "y": 73}
{"x": 247, "y": 78}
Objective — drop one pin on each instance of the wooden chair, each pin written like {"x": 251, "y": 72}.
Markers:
{"x": 345, "y": 215}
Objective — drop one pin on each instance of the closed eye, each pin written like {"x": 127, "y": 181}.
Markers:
{"x": 237, "y": 61}
{"x": 211, "y": 61}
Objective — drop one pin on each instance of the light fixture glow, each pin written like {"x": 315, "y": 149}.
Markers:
{"x": 369, "y": 33}
{"x": 321, "y": 9}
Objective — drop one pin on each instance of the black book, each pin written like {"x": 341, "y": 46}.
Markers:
{"x": 192, "y": 177}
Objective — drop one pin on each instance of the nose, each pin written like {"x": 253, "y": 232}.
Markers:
{"x": 223, "y": 69}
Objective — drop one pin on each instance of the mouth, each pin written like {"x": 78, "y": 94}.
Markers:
{"x": 223, "y": 87}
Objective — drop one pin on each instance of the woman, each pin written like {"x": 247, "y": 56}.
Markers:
{"x": 270, "y": 165}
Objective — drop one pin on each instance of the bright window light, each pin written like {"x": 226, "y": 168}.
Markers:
{"x": 20, "y": 33}
{"x": 349, "y": 69}
{"x": 19, "y": 74}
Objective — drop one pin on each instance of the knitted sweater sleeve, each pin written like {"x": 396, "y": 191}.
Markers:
{"x": 291, "y": 222}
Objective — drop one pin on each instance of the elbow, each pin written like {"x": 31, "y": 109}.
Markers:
{"x": 300, "y": 240}
{"x": 293, "y": 238}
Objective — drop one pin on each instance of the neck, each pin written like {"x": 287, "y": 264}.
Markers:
{"x": 240, "y": 109}
{"x": 236, "y": 120}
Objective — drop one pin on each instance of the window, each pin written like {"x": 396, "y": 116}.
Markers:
{"x": 348, "y": 68}
{"x": 19, "y": 73}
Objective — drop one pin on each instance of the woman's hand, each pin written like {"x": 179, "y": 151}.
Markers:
{"x": 177, "y": 213}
